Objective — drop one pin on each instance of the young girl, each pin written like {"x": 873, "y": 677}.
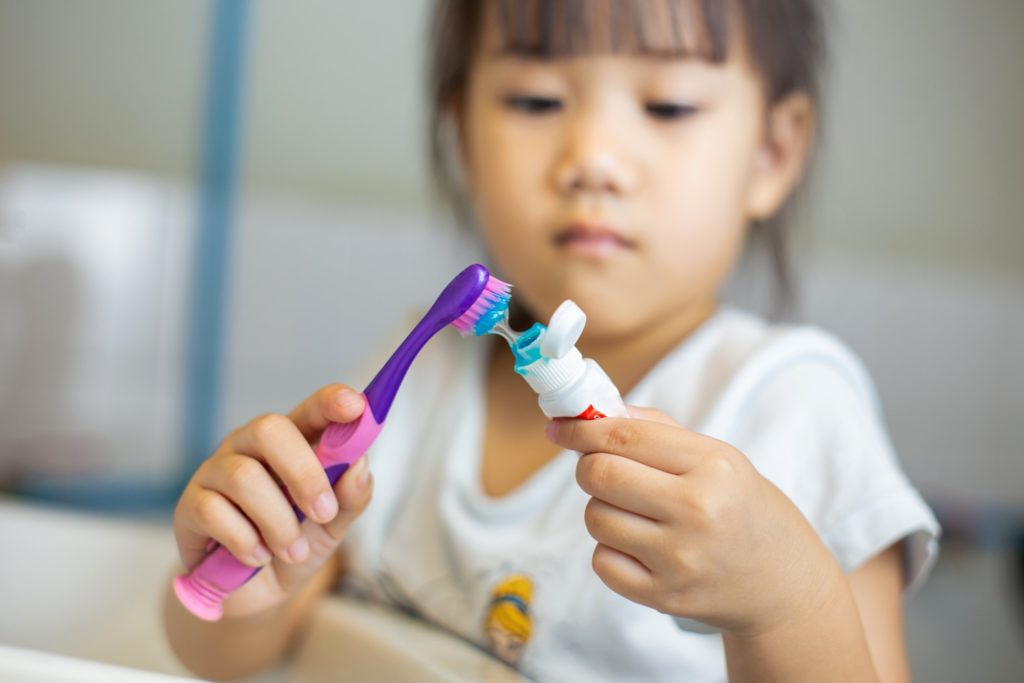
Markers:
{"x": 752, "y": 523}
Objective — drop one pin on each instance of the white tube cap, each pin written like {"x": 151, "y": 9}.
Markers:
{"x": 564, "y": 330}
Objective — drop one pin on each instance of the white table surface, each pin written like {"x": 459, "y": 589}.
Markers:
{"x": 82, "y": 593}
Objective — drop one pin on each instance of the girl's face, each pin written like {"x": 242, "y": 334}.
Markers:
{"x": 623, "y": 182}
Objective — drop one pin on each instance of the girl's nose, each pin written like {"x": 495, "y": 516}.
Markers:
{"x": 594, "y": 164}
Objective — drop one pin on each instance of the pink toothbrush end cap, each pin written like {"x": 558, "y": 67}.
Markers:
{"x": 199, "y": 598}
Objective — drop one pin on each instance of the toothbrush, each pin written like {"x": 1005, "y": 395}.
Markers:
{"x": 473, "y": 302}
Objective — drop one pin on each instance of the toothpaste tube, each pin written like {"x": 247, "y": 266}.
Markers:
{"x": 567, "y": 384}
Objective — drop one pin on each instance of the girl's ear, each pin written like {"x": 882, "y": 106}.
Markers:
{"x": 782, "y": 158}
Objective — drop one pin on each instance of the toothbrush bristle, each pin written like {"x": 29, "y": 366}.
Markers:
{"x": 487, "y": 310}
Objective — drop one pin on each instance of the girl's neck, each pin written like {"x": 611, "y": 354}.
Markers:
{"x": 628, "y": 358}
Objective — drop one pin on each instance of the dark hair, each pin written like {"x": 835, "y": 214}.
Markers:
{"x": 785, "y": 39}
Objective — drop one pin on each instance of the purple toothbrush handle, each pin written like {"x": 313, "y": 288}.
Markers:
{"x": 203, "y": 590}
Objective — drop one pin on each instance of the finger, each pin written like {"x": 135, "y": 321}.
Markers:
{"x": 665, "y": 447}
{"x": 205, "y": 515}
{"x": 333, "y": 403}
{"x": 621, "y": 530}
{"x": 276, "y": 441}
{"x": 624, "y": 574}
{"x": 627, "y": 484}
{"x": 245, "y": 482}
{"x": 354, "y": 490}
{"x": 651, "y": 415}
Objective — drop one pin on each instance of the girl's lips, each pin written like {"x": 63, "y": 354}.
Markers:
{"x": 592, "y": 240}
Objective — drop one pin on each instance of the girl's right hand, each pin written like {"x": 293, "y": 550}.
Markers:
{"x": 236, "y": 499}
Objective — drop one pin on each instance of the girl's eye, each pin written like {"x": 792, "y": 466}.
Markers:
{"x": 670, "y": 111}
{"x": 530, "y": 104}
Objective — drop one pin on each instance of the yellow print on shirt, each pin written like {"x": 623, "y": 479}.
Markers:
{"x": 508, "y": 624}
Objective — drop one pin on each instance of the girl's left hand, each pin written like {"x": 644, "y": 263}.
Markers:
{"x": 685, "y": 524}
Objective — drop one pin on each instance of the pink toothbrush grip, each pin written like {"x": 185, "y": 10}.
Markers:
{"x": 342, "y": 443}
{"x": 203, "y": 590}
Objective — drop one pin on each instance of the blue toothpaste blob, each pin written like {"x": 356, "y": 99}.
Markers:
{"x": 527, "y": 348}
{"x": 494, "y": 315}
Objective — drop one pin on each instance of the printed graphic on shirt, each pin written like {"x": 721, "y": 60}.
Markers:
{"x": 508, "y": 624}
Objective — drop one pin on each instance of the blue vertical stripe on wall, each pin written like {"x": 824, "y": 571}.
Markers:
{"x": 222, "y": 127}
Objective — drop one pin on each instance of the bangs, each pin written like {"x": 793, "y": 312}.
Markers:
{"x": 551, "y": 29}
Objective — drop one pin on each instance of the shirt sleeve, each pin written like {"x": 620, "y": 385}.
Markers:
{"x": 809, "y": 421}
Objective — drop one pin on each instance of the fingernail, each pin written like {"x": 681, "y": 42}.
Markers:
{"x": 298, "y": 550}
{"x": 551, "y": 431}
{"x": 348, "y": 400}
{"x": 325, "y": 507}
{"x": 262, "y": 554}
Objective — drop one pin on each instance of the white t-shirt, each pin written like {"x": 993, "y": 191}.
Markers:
{"x": 517, "y": 570}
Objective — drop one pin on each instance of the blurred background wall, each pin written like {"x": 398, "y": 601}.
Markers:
{"x": 911, "y": 247}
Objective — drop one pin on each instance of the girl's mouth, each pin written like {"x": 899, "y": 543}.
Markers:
{"x": 592, "y": 240}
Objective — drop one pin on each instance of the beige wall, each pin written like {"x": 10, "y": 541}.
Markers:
{"x": 924, "y": 147}
{"x": 336, "y": 104}
{"x": 105, "y": 82}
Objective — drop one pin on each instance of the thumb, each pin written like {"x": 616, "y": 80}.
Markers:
{"x": 332, "y": 403}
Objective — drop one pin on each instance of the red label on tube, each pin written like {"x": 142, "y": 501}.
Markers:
{"x": 591, "y": 413}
